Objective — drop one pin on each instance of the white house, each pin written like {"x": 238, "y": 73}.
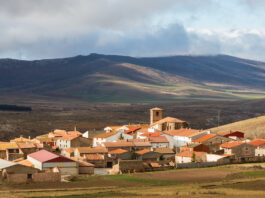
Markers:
{"x": 182, "y": 137}
{"x": 260, "y": 146}
{"x": 190, "y": 156}
{"x": 213, "y": 157}
{"x": 45, "y": 160}
{"x": 98, "y": 140}
{"x": 159, "y": 142}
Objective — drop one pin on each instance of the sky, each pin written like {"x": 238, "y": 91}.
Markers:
{"x": 41, "y": 29}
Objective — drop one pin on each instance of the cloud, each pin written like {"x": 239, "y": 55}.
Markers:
{"x": 33, "y": 29}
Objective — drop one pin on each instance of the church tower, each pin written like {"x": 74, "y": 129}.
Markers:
{"x": 155, "y": 114}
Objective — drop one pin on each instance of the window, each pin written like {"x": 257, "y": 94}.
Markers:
{"x": 29, "y": 176}
{"x": 157, "y": 113}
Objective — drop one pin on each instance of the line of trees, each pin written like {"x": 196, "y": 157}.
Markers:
{"x": 4, "y": 107}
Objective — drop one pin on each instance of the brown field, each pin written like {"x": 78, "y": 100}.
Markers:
{"x": 48, "y": 115}
{"x": 223, "y": 181}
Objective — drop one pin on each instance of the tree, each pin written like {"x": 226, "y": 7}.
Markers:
{"x": 121, "y": 137}
{"x": 193, "y": 157}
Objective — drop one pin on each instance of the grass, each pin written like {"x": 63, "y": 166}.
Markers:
{"x": 130, "y": 178}
{"x": 251, "y": 174}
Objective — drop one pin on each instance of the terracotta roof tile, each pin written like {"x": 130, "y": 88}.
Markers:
{"x": 20, "y": 139}
{"x": 204, "y": 138}
{"x": 69, "y": 150}
{"x": 150, "y": 134}
{"x": 231, "y": 144}
{"x": 68, "y": 137}
{"x": 183, "y": 132}
{"x": 142, "y": 152}
{"x": 92, "y": 150}
{"x": 26, "y": 163}
{"x": 5, "y": 146}
{"x": 159, "y": 139}
{"x": 165, "y": 150}
{"x": 93, "y": 157}
{"x": 257, "y": 142}
{"x": 85, "y": 164}
{"x": 118, "y": 151}
{"x": 26, "y": 145}
{"x": 167, "y": 119}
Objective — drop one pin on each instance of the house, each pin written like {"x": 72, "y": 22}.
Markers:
{"x": 231, "y": 134}
{"x": 68, "y": 152}
{"x": 123, "y": 144}
{"x": 21, "y": 140}
{"x": 72, "y": 141}
{"x": 100, "y": 139}
{"x": 165, "y": 152}
{"x": 45, "y": 160}
{"x": 27, "y": 148}
{"x": 12, "y": 172}
{"x": 85, "y": 167}
{"x": 260, "y": 146}
{"x": 159, "y": 141}
{"x": 240, "y": 150}
{"x": 168, "y": 124}
{"x": 120, "y": 154}
{"x": 190, "y": 156}
{"x": 195, "y": 147}
{"x": 212, "y": 141}
{"x": 182, "y": 137}
{"x": 48, "y": 141}
{"x": 139, "y": 144}
{"x": 147, "y": 155}
{"x": 112, "y": 128}
{"x": 10, "y": 151}
{"x": 82, "y": 151}
{"x": 98, "y": 160}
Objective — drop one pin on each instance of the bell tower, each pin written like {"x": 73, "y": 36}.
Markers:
{"x": 155, "y": 114}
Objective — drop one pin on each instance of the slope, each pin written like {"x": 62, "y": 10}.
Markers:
{"x": 253, "y": 128}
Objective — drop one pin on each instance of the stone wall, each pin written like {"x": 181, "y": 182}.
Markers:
{"x": 126, "y": 166}
{"x": 196, "y": 165}
{"x": 46, "y": 177}
{"x": 16, "y": 178}
{"x": 86, "y": 170}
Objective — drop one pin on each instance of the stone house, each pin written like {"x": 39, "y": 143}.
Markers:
{"x": 82, "y": 151}
{"x": 113, "y": 136}
{"x": 260, "y": 146}
{"x": 147, "y": 155}
{"x": 119, "y": 154}
{"x": 45, "y": 160}
{"x": 98, "y": 160}
{"x": 159, "y": 142}
{"x": 10, "y": 151}
{"x": 165, "y": 152}
{"x": 72, "y": 141}
{"x": 85, "y": 167}
{"x": 212, "y": 141}
{"x": 169, "y": 124}
{"x": 182, "y": 137}
{"x": 240, "y": 150}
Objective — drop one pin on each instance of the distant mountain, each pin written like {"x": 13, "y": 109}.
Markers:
{"x": 110, "y": 78}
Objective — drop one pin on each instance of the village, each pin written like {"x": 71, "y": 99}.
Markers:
{"x": 165, "y": 143}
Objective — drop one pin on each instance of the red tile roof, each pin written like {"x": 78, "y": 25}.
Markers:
{"x": 132, "y": 130}
{"x": 204, "y": 138}
{"x": 123, "y": 143}
{"x": 142, "y": 152}
{"x": 94, "y": 157}
{"x": 159, "y": 139}
{"x": 46, "y": 156}
{"x": 92, "y": 150}
{"x": 231, "y": 144}
{"x": 150, "y": 134}
{"x": 257, "y": 142}
{"x": 183, "y": 132}
{"x": 23, "y": 145}
{"x": 164, "y": 150}
{"x": 118, "y": 151}
{"x": 68, "y": 137}
{"x": 167, "y": 119}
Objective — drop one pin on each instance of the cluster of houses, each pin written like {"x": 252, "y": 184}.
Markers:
{"x": 164, "y": 143}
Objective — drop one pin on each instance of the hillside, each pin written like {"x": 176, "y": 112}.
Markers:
{"x": 109, "y": 78}
{"x": 254, "y": 127}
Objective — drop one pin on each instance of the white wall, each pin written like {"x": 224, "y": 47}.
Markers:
{"x": 213, "y": 157}
{"x": 180, "y": 159}
{"x": 259, "y": 151}
{"x": 37, "y": 164}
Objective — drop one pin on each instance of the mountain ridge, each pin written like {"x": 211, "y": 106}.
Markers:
{"x": 104, "y": 78}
